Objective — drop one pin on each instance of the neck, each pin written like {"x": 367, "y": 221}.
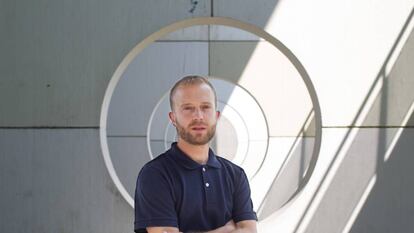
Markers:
{"x": 198, "y": 153}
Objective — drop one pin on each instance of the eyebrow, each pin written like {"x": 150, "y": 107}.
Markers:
{"x": 185, "y": 104}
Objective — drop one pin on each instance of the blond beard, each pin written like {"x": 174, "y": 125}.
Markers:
{"x": 195, "y": 140}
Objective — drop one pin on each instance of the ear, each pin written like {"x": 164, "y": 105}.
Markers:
{"x": 218, "y": 114}
{"x": 172, "y": 117}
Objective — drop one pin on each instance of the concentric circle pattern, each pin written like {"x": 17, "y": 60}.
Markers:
{"x": 270, "y": 123}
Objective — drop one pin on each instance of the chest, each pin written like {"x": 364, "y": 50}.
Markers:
{"x": 203, "y": 199}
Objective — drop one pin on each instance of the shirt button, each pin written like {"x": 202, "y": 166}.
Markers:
{"x": 207, "y": 184}
{"x": 204, "y": 169}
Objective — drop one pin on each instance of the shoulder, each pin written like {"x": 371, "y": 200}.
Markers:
{"x": 227, "y": 164}
{"x": 157, "y": 174}
{"x": 156, "y": 166}
{"x": 232, "y": 169}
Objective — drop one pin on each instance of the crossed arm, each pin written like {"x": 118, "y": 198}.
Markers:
{"x": 246, "y": 226}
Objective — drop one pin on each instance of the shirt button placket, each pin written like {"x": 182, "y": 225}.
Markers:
{"x": 205, "y": 177}
{"x": 207, "y": 185}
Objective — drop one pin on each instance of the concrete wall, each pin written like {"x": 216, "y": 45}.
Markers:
{"x": 57, "y": 58}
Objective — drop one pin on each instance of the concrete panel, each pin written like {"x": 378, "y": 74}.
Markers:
{"x": 222, "y": 54}
{"x": 190, "y": 33}
{"x": 55, "y": 180}
{"x": 59, "y": 56}
{"x": 129, "y": 155}
{"x": 267, "y": 74}
{"x": 225, "y": 141}
{"x": 341, "y": 48}
{"x": 254, "y": 12}
{"x": 287, "y": 218}
{"x": 287, "y": 174}
{"x": 352, "y": 177}
{"x": 254, "y": 157}
{"x": 218, "y": 32}
{"x": 396, "y": 97}
{"x": 159, "y": 147}
{"x": 147, "y": 79}
{"x": 389, "y": 206}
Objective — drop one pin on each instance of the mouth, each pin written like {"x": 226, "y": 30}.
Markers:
{"x": 198, "y": 128}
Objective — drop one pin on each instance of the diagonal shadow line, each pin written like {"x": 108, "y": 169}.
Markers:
{"x": 377, "y": 79}
{"x": 382, "y": 135}
{"x": 289, "y": 155}
{"x": 235, "y": 77}
{"x": 383, "y": 148}
{"x": 380, "y": 166}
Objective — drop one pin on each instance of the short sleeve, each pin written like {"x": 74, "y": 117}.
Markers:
{"x": 154, "y": 203}
{"x": 243, "y": 205}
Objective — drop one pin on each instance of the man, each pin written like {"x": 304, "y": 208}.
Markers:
{"x": 188, "y": 188}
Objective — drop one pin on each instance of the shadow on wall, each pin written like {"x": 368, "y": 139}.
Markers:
{"x": 285, "y": 186}
{"x": 390, "y": 205}
{"x": 387, "y": 164}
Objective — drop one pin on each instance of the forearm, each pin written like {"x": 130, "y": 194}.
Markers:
{"x": 246, "y": 226}
{"x": 229, "y": 227}
{"x": 219, "y": 230}
{"x": 244, "y": 230}
{"x": 222, "y": 229}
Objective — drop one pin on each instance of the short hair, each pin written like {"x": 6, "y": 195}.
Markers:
{"x": 188, "y": 81}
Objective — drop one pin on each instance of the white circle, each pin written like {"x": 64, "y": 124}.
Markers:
{"x": 206, "y": 21}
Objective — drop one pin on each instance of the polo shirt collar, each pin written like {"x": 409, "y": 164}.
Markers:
{"x": 188, "y": 163}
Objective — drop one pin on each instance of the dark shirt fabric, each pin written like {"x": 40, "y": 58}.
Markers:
{"x": 173, "y": 190}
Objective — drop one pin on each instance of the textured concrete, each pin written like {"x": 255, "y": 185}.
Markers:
{"x": 55, "y": 180}
{"x": 288, "y": 172}
{"x": 58, "y": 56}
{"x": 194, "y": 33}
{"x": 393, "y": 102}
{"x": 342, "y": 45}
{"x": 371, "y": 152}
{"x": 390, "y": 206}
{"x": 224, "y": 33}
{"x": 351, "y": 178}
{"x": 147, "y": 79}
{"x": 128, "y": 154}
{"x": 249, "y": 12}
{"x": 270, "y": 77}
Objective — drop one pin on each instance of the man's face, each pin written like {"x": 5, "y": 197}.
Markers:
{"x": 194, "y": 114}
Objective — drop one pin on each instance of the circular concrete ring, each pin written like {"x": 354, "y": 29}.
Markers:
{"x": 195, "y": 22}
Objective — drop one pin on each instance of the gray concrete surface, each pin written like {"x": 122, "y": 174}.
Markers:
{"x": 56, "y": 60}
{"x": 54, "y": 180}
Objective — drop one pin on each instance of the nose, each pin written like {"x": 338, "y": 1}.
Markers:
{"x": 198, "y": 113}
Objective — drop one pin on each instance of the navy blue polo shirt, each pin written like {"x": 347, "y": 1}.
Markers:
{"x": 173, "y": 190}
